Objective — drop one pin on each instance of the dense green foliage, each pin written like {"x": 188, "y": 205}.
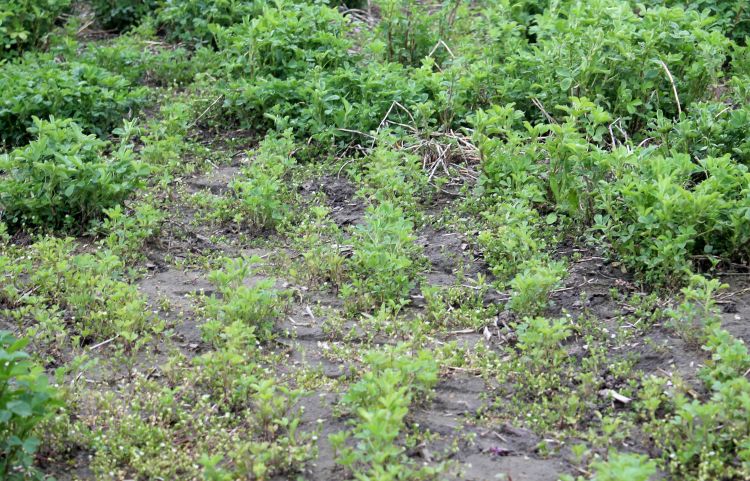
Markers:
{"x": 120, "y": 14}
{"x": 24, "y": 23}
{"x": 455, "y": 230}
{"x": 292, "y": 67}
{"x": 140, "y": 59}
{"x": 732, "y": 15}
{"x": 39, "y": 86}
{"x": 661, "y": 212}
{"x": 620, "y": 59}
{"x": 657, "y": 207}
{"x": 194, "y": 21}
{"x": 63, "y": 179}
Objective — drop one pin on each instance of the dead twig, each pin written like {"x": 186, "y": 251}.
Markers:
{"x": 732, "y": 294}
{"x": 540, "y": 106}
{"x": 441, "y": 43}
{"x": 674, "y": 87}
{"x": 103, "y": 343}
{"x": 461, "y": 331}
{"x": 563, "y": 289}
{"x": 390, "y": 109}
{"x": 195, "y": 122}
{"x": 352, "y": 131}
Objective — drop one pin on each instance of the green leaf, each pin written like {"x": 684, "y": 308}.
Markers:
{"x": 30, "y": 445}
{"x": 20, "y": 408}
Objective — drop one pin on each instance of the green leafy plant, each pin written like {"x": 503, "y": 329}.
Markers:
{"x": 660, "y": 212}
{"x": 381, "y": 401}
{"x": 418, "y": 373}
{"x": 511, "y": 238}
{"x": 540, "y": 341}
{"x": 696, "y": 313}
{"x": 392, "y": 176}
{"x": 258, "y": 439}
{"x": 622, "y": 59}
{"x": 37, "y": 85}
{"x": 287, "y": 39}
{"x": 142, "y": 58}
{"x": 257, "y": 305}
{"x": 259, "y": 197}
{"x": 121, "y": 14}
{"x": 408, "y": 31}
{"x": 663, "y": 211}
{"x": 622, "y": 467}
{"x": 195, "y": 21}
{"x": 710, "y": 437}
{"x": 166, "y": 140}
{"x": 705, "y": 438}
{"x": 62, "y": 179}
{"x": 385, "y": 261}
{"x": 99, "y": 303}
{"x": 26, "y": 399}
{"x": 302, "y": 75}
{"x": 127, "y": 234}
{"x": 508, "y": 162}
{"x": 729, "y": 357}
{"x": 459, "y": 305}
{"x": 731, "y": 15}
{"x": 708, "y": 129}
{"x": 532, "y": 287}
{"x": 319, "y": 239}
{"x": 24, "y": 23}
{"x": 326, "y": 105}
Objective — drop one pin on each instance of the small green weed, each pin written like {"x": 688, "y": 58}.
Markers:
{"x": 381, "y": 401}
{"x": 532, "y": 287}
{"x": 126, "y": 234}
{"x": 257, "y": 440}
{"x": 257, "y": 305}
{"x": 385, "y": 262}
{"x": 260, "y": 195}
{"x": 320, "y": 240}
{"x": 393, "y": 176}
{"x": 98, "y": 303}
{"x": 621, "y": 467}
